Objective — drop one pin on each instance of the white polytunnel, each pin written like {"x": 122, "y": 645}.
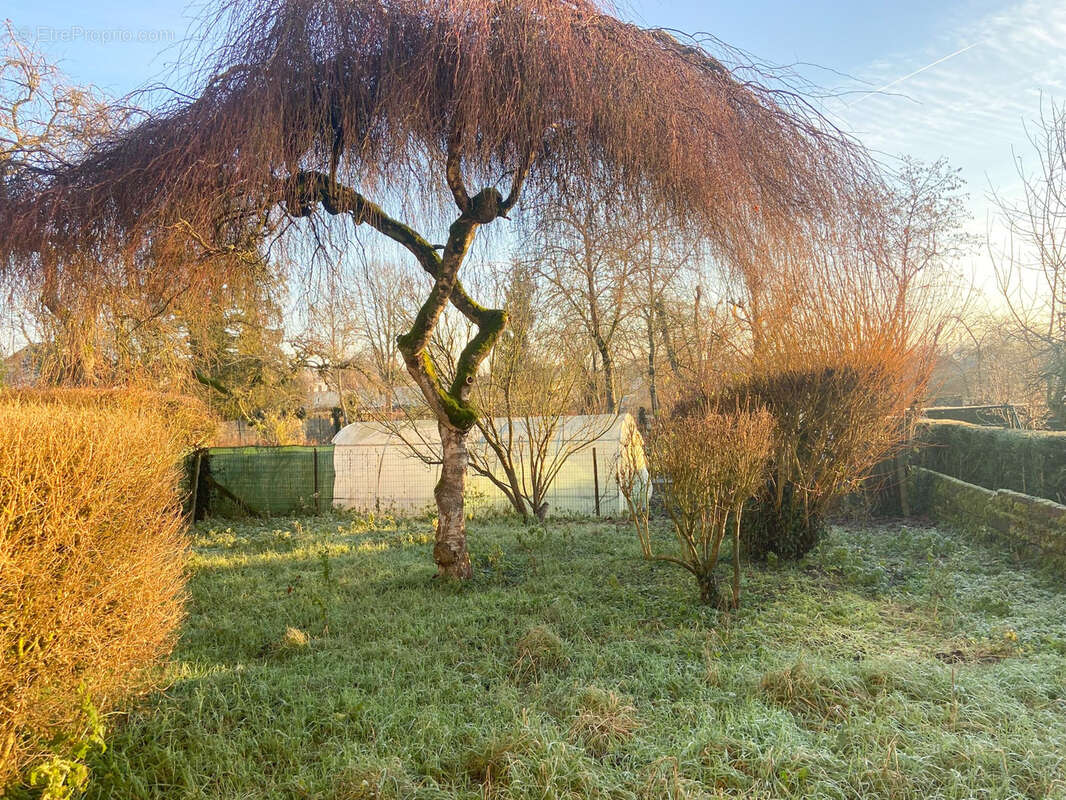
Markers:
{"x": 388, "y": 466}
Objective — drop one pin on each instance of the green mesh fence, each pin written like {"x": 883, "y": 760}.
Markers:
{"x": 263, "y": 481}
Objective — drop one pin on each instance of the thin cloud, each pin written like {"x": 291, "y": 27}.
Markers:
{"x": 972, "y": 107}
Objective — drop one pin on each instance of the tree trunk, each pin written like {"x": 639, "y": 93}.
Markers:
{"x": 736, "y": 556}
{"x": 449, "y": 404}
{"x": 511, "y": 489}
{"x": 671, "y": 353}
{"x": 608, "y": 373}
{"x": 652, "y": 393}
{"x": 453, "y": 560}
{"x": 709, "y": 591}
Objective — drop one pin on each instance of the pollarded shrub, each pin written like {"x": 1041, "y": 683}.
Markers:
{"x": 832, "y": 424}
{"x": 709, "y": 465}
{"x": 788, "y": 529}
{"x": 91, "y": 565}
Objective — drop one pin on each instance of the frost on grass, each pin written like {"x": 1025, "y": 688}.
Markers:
{"x": 603, "y": 721}
{"x": 839, "y": 679}
{"x": 539, "y": 651}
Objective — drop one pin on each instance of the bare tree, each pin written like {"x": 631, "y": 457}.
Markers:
{"x": 384, "y": 310}
{"x": 987, "y": 360}
{"x": 354, "y": 315}
{"x": 45, "y": 122}
{"x": 530, "y": 433}
{"x": 661, "y": 252}
{"x": 1031, "y": 264}
{"x": 579, "y": 251}
{"x": 704, "y": 341}
{"x": 528, "y": 399}
{"x": 310, "y": 109}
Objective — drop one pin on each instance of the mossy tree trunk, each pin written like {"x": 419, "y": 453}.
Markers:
{"x": 450, "y": 551}
{"x": 450, "y": 404}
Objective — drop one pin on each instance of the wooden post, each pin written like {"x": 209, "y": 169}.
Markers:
{"x": 596, "y": 480}
{"x": 195, "y": 484}
{"x": 314, "y": 458}
{"x": 901, "y": 460}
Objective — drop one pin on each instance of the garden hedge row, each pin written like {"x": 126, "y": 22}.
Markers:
{"x": 1029, "y": 462}
{"x": 92, "y": 552}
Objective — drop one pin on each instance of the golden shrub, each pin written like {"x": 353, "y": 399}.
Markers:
{"x": 186, "y": 421}
{"x": 710, "y": 464}
{"x": 91, "y": 562}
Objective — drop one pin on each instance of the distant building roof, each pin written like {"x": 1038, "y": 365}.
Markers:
{"x": 22, "y": 368}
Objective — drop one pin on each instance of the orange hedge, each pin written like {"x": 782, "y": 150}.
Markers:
{"x": 92, "y": 553}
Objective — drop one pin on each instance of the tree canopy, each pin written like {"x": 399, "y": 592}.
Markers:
{"x": 306, "y": 96}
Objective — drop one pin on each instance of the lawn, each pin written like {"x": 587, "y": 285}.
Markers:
{"x": 321, "y": 659}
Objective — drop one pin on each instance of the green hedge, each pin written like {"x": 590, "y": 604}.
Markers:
{"x": 1030, "y": 462}
{"x": 1004, "y": 416}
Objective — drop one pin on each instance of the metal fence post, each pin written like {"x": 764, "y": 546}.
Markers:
{"x": 314, "y": 458}
{"x": 596, "y": 480}
{"x": 196, "y": 483}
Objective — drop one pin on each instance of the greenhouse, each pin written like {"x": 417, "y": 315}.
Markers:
{"x": 393, "y": 466}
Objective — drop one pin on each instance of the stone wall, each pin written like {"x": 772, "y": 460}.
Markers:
{"x": 1030, "y": 526}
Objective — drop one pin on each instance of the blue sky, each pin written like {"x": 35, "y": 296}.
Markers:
{"x": 962, "y": 75}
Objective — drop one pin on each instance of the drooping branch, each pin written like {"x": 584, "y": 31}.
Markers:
{"x": 564, "y": 94}
{"x": 454, "y": 176}
{"x": 310, "y": 188}
{"x": 517, "y": 182}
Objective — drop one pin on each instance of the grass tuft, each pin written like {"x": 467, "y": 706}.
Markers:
{"x": 827, "y": 695}
{"x": 294, "y": 639}
{"x": 603, "y": 722}
{"x": 375, "y": 780}
{"x": 540, "y": 650}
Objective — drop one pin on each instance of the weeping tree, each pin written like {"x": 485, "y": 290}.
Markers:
{"x": 426, "y": 121}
